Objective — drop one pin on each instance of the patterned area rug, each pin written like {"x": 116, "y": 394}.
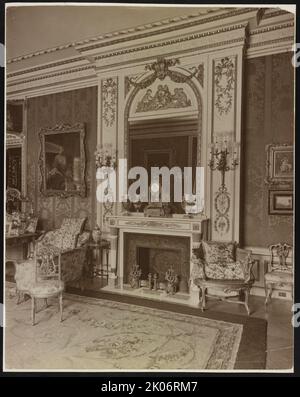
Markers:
{"x": 105, "y": 335}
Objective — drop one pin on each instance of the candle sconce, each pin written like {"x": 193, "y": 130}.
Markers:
{"x": 223, "y": 157}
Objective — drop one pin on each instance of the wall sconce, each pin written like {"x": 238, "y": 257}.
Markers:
{"x": 223, "y": 156}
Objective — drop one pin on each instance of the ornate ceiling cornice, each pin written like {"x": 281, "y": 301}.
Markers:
{"x": 168, "y": 29}
{"x": 170, "y": 41}
{"x": 272, "y": 28}
{"x": 170, "y": 21}
{"x": 227, "y": 13}
{"x": 47, "y": 66}
{"x": 51, "y": 75}
{"x": 271, "y": 36}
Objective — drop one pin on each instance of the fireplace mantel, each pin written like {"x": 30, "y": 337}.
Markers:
{"x": 160, "y": 225}
{"x": 195, "y": 228}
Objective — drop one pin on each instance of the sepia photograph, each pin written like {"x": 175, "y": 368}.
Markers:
{"x": 149, "y": 188}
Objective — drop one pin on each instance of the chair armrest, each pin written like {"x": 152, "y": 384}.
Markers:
{"x": 73, "y": 250}
{"x": 198, "y": 269}
{"x": 245, "y": 257}
{"x": 242, "y": 254}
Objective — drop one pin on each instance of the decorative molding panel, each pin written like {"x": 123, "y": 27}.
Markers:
{"x": 109, "y": 101}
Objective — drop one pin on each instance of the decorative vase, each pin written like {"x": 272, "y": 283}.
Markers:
{"x": 96, "y": 234}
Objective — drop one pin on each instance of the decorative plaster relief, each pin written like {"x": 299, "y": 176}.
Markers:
{"x": 163, "y": 99}
{"x": 199, "y": 73}
{"x": 109, "y": 101}
{"x": 222, "y": 207}
{"x": 224, "y": 77}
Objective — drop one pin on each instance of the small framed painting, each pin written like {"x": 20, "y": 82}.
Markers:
{"x": 281, "y": 202}
{"x": 279, "y": 164}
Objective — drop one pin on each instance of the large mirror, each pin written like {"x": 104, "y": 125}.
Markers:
{"x": 163, "y": 128}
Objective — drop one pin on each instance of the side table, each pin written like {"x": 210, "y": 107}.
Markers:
{"x": 96, "y": 267}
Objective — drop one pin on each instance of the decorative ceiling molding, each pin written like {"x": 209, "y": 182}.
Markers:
{"x": 170, "y": 42}
{"x": 49, "y": 76}
{"x": 272, "y": 28}
{"x": 227, "y": 13}
{"x": 47, "y": 66}
{"x": 269, "y": 38}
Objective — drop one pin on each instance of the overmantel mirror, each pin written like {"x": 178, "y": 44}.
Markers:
{"x": 62, "y": 160}
{"x": 163, "y": 128}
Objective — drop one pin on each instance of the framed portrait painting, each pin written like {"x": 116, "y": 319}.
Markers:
{"x": 279, "y": 164}
{"x": 281, "y": 202}
{"x": 62, "y": 160}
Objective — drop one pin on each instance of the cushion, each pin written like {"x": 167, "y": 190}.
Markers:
{"x": 25, "y": 274}
{"x": 215, "y": 252}
{"x": 279, "y": 277}
{"x": 225, "y": 271}
{"x": 47, "y": 287}
{"x": 73, "y": 225}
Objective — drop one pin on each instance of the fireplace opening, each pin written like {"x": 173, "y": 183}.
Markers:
{"x": 156, "y": 254}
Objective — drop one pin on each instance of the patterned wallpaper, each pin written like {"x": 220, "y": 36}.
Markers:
{"x": 49, "y": 110}
{"x": 268, "y": 118}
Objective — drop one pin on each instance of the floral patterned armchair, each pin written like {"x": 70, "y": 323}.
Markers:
{"x": 70, "y": 242}
{"x": 223, "y": 267}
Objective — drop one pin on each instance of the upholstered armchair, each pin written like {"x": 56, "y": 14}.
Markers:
{"x": 225, "y": 269}
{"x": 70, "y": 242}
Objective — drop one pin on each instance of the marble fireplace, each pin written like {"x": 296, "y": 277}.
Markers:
{"x": 155, "y": 244}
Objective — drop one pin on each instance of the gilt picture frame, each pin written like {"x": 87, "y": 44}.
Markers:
{"x": 62, "y": 160}
{"x": 281, "y": 202}
{"x": 279, "y": 165}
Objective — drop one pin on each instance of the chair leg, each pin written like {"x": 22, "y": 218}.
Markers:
{"x": 33, "y": 310}
{"x": 269, "y": 290}
{"x": 203, "y": 298}
{"x": 60, "y": 298}
{"x": 246, "y": 302}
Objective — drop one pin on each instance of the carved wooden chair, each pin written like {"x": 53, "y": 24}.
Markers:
{"x": 48, "y": 283}
{"x": 70, "y": 242}
{"x": 280, "y": 272}
{"x": 225, "y": 269}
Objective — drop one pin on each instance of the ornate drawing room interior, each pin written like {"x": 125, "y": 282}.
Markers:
{"x": 176, "y": 87}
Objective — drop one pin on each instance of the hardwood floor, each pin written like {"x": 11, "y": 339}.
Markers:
{"x": 280, "y": 330}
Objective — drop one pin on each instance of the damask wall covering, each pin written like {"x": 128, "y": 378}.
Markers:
{"x": 268, "y": 118}
{"x": 49, "y": 110}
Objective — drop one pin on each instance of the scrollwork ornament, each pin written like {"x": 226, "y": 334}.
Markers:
{"x": 224, "y": 84}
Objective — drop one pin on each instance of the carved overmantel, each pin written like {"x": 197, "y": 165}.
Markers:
{"x": 195, "y": 229}
{"x": 193, "y": 55}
